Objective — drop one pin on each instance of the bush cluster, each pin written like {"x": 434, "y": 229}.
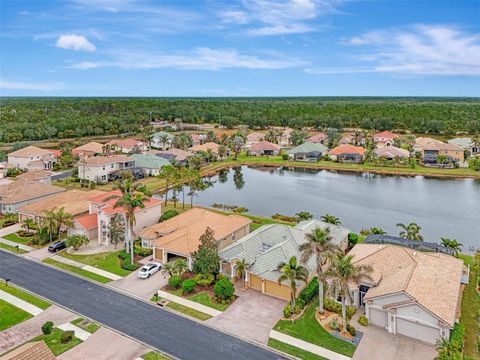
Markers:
{"x": 352, "y": 239}
{"x": 333, "y": 306}
{"x": 126, "y": 262}
{"x": 168, "y": 215}
{"x": 175, "y": 282}
{"x": 224, "y": 289}
{"x": 286, "y": 218}
{"x": 67, "y": 336}
{"x": 142, "y": 252}
{"x": 305, "y": 297}
{"x": 47, "y": 327}
{"x": 204, "y": 279}
{"x": 362, "y": 320}
{"x": 188, "y": 286}
{"x": 351, "y": 329}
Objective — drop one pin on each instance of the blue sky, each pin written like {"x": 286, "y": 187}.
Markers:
{"x": 239, "y": 48}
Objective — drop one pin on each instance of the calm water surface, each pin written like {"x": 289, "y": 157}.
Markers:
{"x": 443, "y": 208}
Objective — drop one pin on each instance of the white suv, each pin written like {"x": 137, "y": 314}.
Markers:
{"x": 148, "y": 270}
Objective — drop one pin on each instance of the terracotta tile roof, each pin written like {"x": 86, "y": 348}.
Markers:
{"x": 30, "y": 151}
{"x": 317, "y": 138}
{"x": 347, "y": 149}
{"x": 255, "y": 136}
{"x": 35, "y": 174}
{"x": 125, "y": 143}
{"x": 392, "y": 151}
{"x": 385, "y": 134}
{"x": 420, "y": 141}
{"x": 30, "y": 351}
{"x": 88, "y": 221}
{"x": 442, "y": 146}
{"x": 109, "y": 203}
{"x": 433, "y": 280}
{"x": 265, "y": 146}
{"x": 74, "y": 202}
{"x": 105, "y": 160}
{"x": 93, "y": 147}
{"x": 181, "y": 234}
{"x": 56, "y": 153}
{"x": 204, "y": 147}
{"x": 23, "y": 190}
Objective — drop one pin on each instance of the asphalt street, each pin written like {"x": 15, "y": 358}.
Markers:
{"x": 156, "y": 327}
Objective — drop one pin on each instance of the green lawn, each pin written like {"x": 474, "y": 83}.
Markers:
{"x": 292, "y": 350}
{"x": 11, "y": 315}
{"x": 153, "y": 355}
{"x": 78, "y": 271}
{"x": 12, "y": 248}
{"x": 184, "y": 310}
{"x": 91, "y": 327}
{"x": 202, "y": 298}
{"x": 32, "y": 299}
{"x": 53, "y": 341}
{"x": 106, "y": 261}
{"x": 308, "y": 329}
{"x": 18, "y": 239}
{"x": 470, "y": 312}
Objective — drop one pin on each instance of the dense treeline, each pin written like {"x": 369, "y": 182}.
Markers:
{"x": 24, "y": 119}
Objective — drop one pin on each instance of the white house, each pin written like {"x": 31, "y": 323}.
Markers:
{"x": 32, "y": 158}
{"x": 100, "y": 168}
{"x": 162, "y": 140}
{"x": 412, "y": 293}
{"x": 127, "y": 146}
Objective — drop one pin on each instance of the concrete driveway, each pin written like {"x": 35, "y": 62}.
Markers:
{"x": 144, "y": 288}
{"x": 105, "y": 345}
{"x": 377, "y": 344}
{"x": 251, "y": 316}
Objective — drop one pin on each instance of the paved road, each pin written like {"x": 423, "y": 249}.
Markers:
{"x": 156, "y": 327}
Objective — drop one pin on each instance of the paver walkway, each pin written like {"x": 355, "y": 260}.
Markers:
{"x": 92, "y": 269}
{"x": 315, "y": 349}
{"x": 79, "y": 332}
{"x": 19, "y": 303}
{"x": 13, "y": 243}
{"x": 188, "y": 303}
{"x": 23, "y": 332}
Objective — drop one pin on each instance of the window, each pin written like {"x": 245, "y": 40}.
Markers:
{"x": 111, "y": 166}
{"x": 104, "y": 168}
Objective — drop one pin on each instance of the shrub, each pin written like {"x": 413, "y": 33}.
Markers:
{"x": 188, "y": 286}
{"x": 457, "y": 336}
{"x": 47, "y": 327}
{"x": 309, "y": 292}
{"x": 362, "y": 320}
{"x": 287, "y": 311}
{"x": 142, "y": 252}
{"x": 204, "y": 279}
{"x": 126, "y": 263}
{"x": 168, "y": 215}
{"x": 25, "y": 234}
{"x": 175, "y": 282}
{"x": 351, "y": 329}
{"x": 284, "y": 156}
{"x": 286, "y": 218}
{"x": 67, "y": 336}
{"x": 240, "y": 210}
{"x": 334, "y": 324}
{"x": 350, "y": 310}
{"x": 224, "y": 289}
{"x": 299, "y": 305}
{"x": 332, "y": 305}
{"x": 352, "y": 239}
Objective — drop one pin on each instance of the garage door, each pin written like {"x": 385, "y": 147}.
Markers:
{"x": 378, "y": 317}
{"x": 418, "y": 331}
{"x": 276, "y": 290}
{"x": 255, "y": 282}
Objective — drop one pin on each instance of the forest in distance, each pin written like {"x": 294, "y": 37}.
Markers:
{"x": 40, "y": 118}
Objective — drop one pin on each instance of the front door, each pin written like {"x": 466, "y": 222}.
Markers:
{"x": 362, "y": 291}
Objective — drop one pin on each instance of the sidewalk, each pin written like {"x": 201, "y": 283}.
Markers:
{"x": 79, "y": 332}
{"x": 314, "y": 349}
{"x": 191, "y": 304}
{"x": 89, "y": 268}
{"x": 13, "y": 243}
{"x": 21, "y": 304}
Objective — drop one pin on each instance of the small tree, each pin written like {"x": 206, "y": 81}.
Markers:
{"x": 224, "y": 289}
{"x": 292, "y": 272}
{"x": 179, "y": 267}
{"x": 206, "y": 259}
{"x": 304, "y": 215}
{"x": 330, "y": 219}
{"x": 76, "y": 241}
{"x": 241, "y": 267}
{"x": 116, "y": 231}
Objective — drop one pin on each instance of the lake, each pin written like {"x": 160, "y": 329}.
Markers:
{"x": 442, "y": 207}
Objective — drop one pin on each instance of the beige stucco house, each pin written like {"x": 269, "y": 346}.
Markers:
{"x": 31, "y": 158}
{"x": 100, "y": 168}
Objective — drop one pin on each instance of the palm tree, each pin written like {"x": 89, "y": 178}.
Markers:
{"x": 330, "y": 219}
{"x": 133, "y": 196}
{"x": 410, "y": 231}
{"x": 341, "y": 273}
{"x": 241, "y": 267}
{"x": 28, "y": 225}
{"x": 304, "y": 215}
{"x": 63, "y": 219}
{"x": 164, "y": 140}
{"x": 320, "y": 244}
{"x": 180, "y": 266}
{"x": 116, "y": 231}
{"x": 292, "y": 272}
{"x": 169, "y": 174}
{"x": 50, "y": 222}
{"x": 452, "y": 244}
{"x": 446, "y": 349}
{"x": 222, "y": 151}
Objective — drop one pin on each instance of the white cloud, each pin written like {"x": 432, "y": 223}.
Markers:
{"x": 13, "y": 85}
{"x": 198, "y": 59}
{"x": 419, "y": 50}
{"x": 75, "y": 42}
{"x": 234, "y": 16}
{"x": 281, "y": 29}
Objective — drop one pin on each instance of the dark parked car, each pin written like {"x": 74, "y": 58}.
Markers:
{"x": 57, "y": 246}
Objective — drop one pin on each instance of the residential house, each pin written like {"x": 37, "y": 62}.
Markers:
{"x": 432, "y": 151}
{"x": 412, "y": 293}
{"x": 205, "y": 147}
{"x": 23, "y": 192}
{"x": 198, "y": 139}
{"x": 31, "y": 158}
{"x": 412, "y": 244}
{"x": 74, "y": 202}
{"x": 265, "y": 148}
{"x": 89, "y": 149}
{"x": 384, "y": 138}
{"x": 126, "y": 146}
{"x": 161, "y": 140}
{"x": 254, "y": 138}
{"x": 308, "y": 151}
{"x": 39, "y": 175}
{"x": 180, "y": 235}
{"x": 391, "y": 152}
{"x": 36, "y": 350}
{"x": 346, "y": 139}
{"x": 101, "y": 169}
{"x": 270, "y": 245}
{"x": 285, "y": 138}
{"x": 320, "y": 138}
{"x": 177, "y": 155}
{"x": 347, "y": 153}
{"x": 420, "y": 142}
{"x": 101, "y": 211}
{"x": 467, "y": 144}
{"x": 150, "y": 164}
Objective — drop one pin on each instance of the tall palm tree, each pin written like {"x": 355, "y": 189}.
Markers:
{"x": 63, "y": 219}
{"x": 452, "y": 244}
{"x": 169, "y": 174}
{"x": 410, "y": 231}
{"x": 133, "y": 197}
{"x": 319, "y": 244}
{"x": 241, "y": 267}
{"x": 330, "y": 219}
{"x": 292, "y": 272}
{"x": 116, "y": 231}
{"x": 50, "y": 222}
{"x": 341, "y": 273}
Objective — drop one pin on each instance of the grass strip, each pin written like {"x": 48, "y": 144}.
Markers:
{"x": 78, "y": 271}
{"x": 53, "y": 341}
{"x": 11, "y": 315}
{"x": 293, "y": 350}
{"x": 91, "y": 327}
{"x": 31, "y": 299}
